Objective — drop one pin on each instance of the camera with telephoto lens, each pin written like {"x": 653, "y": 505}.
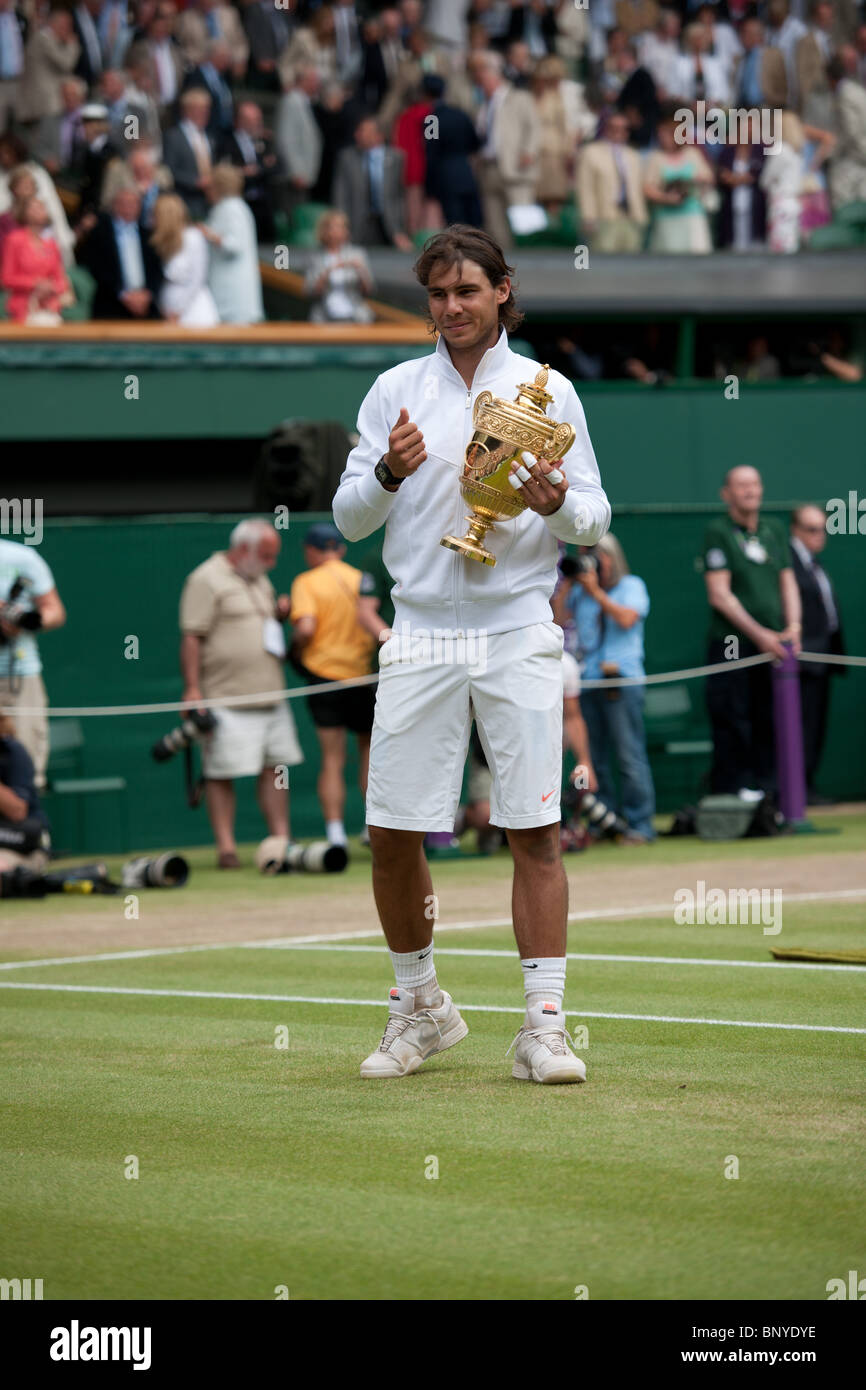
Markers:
{"x": 599, "y": 818}
{"x": 164, "y": 871}
{"x": 193, "y": 727}
{"x": 277, "y": 855}
{"x": 19, "y": 612}
{"x": 570, "y": 566}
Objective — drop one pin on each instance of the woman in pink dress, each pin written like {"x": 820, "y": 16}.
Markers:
{"x": 32, "y": 270}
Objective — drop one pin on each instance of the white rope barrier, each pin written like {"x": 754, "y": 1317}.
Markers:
{"x": 273, "y": 697}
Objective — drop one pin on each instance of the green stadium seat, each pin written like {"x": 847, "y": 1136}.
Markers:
{"x": 303, "y": 227}
{"x": 84, "y": 287}
{"x": 852, "y": 214}
{"x": 674, "y": 740}
{"x": 68, "y": 799}
{"x": 836, "y": 237}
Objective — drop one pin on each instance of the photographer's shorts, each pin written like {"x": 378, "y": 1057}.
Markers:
{"x": 423, "y": 716}
{"x": 245, "y": 741}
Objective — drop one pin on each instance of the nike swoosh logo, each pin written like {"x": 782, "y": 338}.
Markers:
{"x": 527, "y": 966}
{"x": 549, "y": 795}
{"x": 426, "y": 953}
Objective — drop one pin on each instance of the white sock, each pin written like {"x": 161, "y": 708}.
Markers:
{"x": 543, "y": 979}
{"x": 336, "y": 832}
{"x": 415, "y": 971}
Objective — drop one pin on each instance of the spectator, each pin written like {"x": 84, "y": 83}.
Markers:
{"x": 753, "y": 598}
{"x": 636, "y": 17}
{"x": 696, "y": 75}
{"x": 333, "y": 116}
{"x": 98, "y": 151}
{"x": 474, "y": 813}
{"x": 848, "y": 166}
{"x": 235, "y": 279}
{"x": 423, "y": 56}
{"x": 724, "y": 45}
{"x": 50, "y": 55}
{"x": 298, "y": 137}
{"x": 811, "y": 55}
{"x": 658, "y": 50}
{"x": 13, "y": 155}
{"x": 122, "y": 261}
{"x": 190, "y": 153}
{"x": 25, "y": 575}
{"x": 347, "y": 37}
{"x": 782, "y": 182}
{"x": 268, "y": 31}
{"x": 13, "y": 35}
{"x": 115, "y": 32}
{"x": 58, "y": 141}
{"x": 142, "y": 171}
{"x": 381, "y": 53}
{"x": 141, "y": 102}
{"x": 535, "y": 24}
{"x": 675, "y": 179}
{"x": 451, "y": 179}
{"x": 610, "y": 606}
{"x": 784, "y": 32}
{"x": 822, "y": 632}
{"x": 202, "y": 22}
{"x": 412, "y": 135}
{"x": 184, "y": 297}
{"x": 339, "y": 275}
{"x": 519, "y": 64}
{"x": 211, "y": 76}
{"x": 160, "y": 57}
{"x": 639, "y": 103}
{"x": 508, "y": 159}
{"x": 743, "y": 214}
{"x": 565, "y": 120}
{"x": 20, "y": 807}
{"x": 759, "y": 75}
{"x": 610, "y": 197}
{"x": 232, "y": 645}
{"x": 368, "y": 189}
{"x": 249, "y": 150}
{"x": 90, "y": 63}
{"x": 32, "y": 269}
{"x": 312, "y": 45}
{"x": 335, "y": 628}
{"x": 22, "y": 187}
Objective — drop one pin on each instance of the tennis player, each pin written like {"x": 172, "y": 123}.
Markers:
{"x": 498, "y": 657}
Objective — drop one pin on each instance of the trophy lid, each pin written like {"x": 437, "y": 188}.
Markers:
{"x": 534, "y": 393}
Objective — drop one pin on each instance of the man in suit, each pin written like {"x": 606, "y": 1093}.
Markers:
{"x": 609, "y": 190}
{"x": 759, "y": 75}
{"x": 211, "y": 76}
{"x": 162, "y": 56}
{"x": 368, "y": 188}
{"x": 206, "y": 20}
{"x": 848, "y": 164}
{"x": 246, "y": 148}
{"x": 122, "y": 261}
{"x": 423, "y": 56}
{"x": 450, "y": 177}
{"x": 510, "y": 132}
{"x": 98, "y": 151}
{"x": 821, "y": 633}
{"x": 90, "y": 63}
{"x": 811, "y": 56}
{"x": 58, "y": 143}
{"x": 298, "y": 138}
{"x": 51, "y": 54}
{"x": 189, "y": 153}
{"x": 268, "y": 32}
{"x": 13, "y": 37}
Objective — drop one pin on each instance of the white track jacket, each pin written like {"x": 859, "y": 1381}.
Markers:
{"x": 435, "y": 587}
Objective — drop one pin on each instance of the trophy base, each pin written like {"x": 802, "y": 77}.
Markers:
{"x": 472, "y": 549}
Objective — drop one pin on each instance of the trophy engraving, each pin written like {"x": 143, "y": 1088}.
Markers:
{"x": 503, "y": 429}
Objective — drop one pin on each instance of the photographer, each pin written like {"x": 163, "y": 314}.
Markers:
{"x": 29, "y": 603}
{"x": 22, "y": 821}
{"x": 610, "y": 605}
{"x": 233, "y": 645}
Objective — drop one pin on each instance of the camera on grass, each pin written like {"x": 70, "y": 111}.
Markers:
{"x": 277, "y": 855}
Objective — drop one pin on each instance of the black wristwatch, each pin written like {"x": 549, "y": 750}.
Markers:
{"x": 385, "y": 476}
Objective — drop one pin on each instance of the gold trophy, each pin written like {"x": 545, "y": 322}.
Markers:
{"x": 502, "y": 430}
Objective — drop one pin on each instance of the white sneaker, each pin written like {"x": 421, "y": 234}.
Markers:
{"x": 542, "y": 1053}
{"x": 410, "y": 1037}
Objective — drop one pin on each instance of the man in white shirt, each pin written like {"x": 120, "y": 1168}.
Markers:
{"x": 417, "y": 421}
{"x": 508, "y": 159}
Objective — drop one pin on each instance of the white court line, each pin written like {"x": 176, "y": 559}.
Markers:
{"x": 594, "y": 956}
{"x": 378, "y": 1004}
{"x": 625, "y": 914}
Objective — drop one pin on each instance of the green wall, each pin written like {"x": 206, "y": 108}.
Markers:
{"x": 123, "y": 578}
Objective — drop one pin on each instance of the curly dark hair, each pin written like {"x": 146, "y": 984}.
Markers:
{"x": 461, "y": 242}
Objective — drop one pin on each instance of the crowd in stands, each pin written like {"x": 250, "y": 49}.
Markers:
{"x": 159, "y": 144}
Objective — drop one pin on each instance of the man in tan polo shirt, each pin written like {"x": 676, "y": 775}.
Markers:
{"x": 233, "y": 645}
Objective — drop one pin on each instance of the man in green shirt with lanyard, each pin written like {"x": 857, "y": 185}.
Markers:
{"x": 753, "y": 596}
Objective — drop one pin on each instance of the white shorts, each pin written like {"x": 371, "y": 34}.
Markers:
{"x": 425, "y": 702}
{"x": 245, "y": 741}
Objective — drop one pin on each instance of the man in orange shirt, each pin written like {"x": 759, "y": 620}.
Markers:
{"x": 335, "y": 627}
